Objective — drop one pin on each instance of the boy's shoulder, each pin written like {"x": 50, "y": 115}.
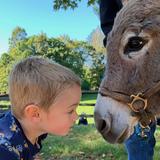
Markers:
{"x": 8, "y": 133}
{"x": 8, "y": 126}
{"x": 11, "y": 132}
{"x": 13, "y": 141}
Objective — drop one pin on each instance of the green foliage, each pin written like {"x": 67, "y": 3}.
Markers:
{"x": 97, "y": 69}
{"x": 18, "y": 34}
{"x": 79, "y": 56}
{"x": 96, "y": 40}
{"x": 5, "y": 67}
{"x": 86, "y": 85}
{"x": 98, "y": 57}
{"x": 66, "y": 52}
{"x": 65, "y": 4}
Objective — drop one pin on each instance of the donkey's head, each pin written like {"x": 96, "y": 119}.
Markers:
{"x": 133, "y": 66}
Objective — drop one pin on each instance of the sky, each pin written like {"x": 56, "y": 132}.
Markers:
{"x": 37, "y": 16}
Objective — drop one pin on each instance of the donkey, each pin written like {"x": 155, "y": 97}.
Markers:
{"x": 130, "y": 90}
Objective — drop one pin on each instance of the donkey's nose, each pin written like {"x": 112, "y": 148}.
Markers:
{"x": 103, "y": 124}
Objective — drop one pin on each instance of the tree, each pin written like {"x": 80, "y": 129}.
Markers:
{"x": 18, "y": 34}
{"x": 65, "y": 4}
{"x": 96, "y": 39}
{"x": 66, "y": 52}
{"x": 5, "y": 67}
{"x": 79, "y": 56}
{"x": 61, "y": 50}
{"x": 97, "y": 69}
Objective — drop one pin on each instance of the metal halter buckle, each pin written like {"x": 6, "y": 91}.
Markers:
{"x": 137, "y": 97}
{"x": 144, "y": 131}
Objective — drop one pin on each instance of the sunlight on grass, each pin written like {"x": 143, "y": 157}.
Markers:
{"x": 84, "y": 142}
{"x": 5, "y": 103}
{"x": 87, "y": 110}
{"x": 87, "y": 99}
{"x": 157, "y": 147}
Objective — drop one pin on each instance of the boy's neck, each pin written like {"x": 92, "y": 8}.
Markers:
{"x": 30, "y": 131}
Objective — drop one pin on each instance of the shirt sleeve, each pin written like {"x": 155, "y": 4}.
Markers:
{"x": 8, "y": 154}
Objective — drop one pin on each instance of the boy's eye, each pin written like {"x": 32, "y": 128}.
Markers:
{"x": 70, "y": 112}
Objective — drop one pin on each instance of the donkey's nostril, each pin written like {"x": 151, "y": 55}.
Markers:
{"x": 103, "y": 125}
{"x": 102, "y": 122}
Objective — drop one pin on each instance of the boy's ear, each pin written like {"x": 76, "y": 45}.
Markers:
{"x": 32, "y": 112}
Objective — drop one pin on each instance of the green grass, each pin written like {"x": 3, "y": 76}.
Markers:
{"x": 85, "y": 143}
{"x": 4, "y": 105}
{"x": 157, "y": 148}
{"x": 87, "y": 98}
{"x": 4, "y": 102}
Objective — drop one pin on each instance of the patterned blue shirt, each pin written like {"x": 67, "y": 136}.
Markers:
{"x": 13, "y": 143}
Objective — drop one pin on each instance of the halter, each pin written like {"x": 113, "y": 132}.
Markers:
{"x": 137, "y": 103}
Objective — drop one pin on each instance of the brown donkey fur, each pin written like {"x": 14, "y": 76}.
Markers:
{"x": 133, "y": 65}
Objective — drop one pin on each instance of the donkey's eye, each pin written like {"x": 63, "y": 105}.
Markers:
{"x": 134, "y": 44}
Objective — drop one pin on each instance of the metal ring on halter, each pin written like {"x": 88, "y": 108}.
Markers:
{"x": 137, "y": 97}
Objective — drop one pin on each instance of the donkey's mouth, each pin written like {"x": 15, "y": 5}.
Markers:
{"x": 124, "y": 135}
{"x": 113, "y": 138}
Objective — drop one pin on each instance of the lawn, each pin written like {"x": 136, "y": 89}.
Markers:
{"x": 85, "y": 143}
{"x": 87, "y": 99}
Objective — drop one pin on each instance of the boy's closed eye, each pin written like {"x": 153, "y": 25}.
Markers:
{"x": 70, "y": 112}
{"x": 72, "y": 108}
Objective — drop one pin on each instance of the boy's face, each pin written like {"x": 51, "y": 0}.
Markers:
{"x": 62, "y": 114}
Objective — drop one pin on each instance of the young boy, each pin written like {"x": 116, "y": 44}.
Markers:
{"x": 44, "y": 97}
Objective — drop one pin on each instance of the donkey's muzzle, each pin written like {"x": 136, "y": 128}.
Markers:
{"x": 112, "y": 119}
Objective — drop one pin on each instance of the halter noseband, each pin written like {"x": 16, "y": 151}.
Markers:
{"x": 137, "y": 103}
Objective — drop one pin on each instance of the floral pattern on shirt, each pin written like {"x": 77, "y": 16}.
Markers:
{"x": 13, "y": 143}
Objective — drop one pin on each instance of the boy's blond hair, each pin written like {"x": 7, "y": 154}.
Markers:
{"x": 38, "y": 81}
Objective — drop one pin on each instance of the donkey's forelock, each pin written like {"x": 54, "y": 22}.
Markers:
{"x": 136, "y": 12}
